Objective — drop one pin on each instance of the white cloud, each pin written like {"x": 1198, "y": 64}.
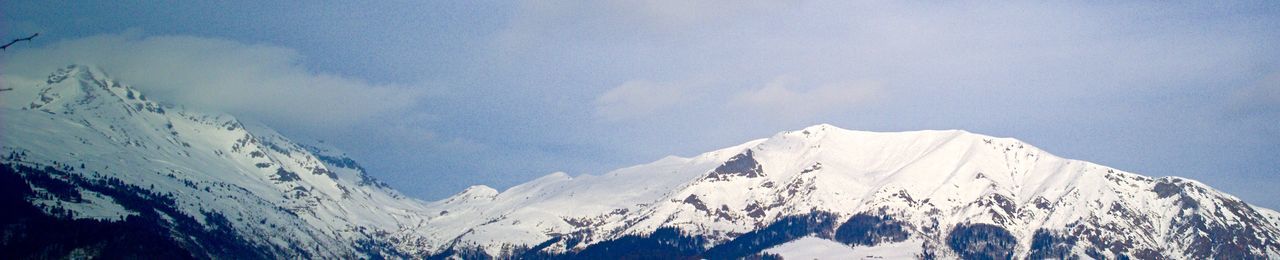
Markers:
{"x": 259, "y": 81}
{"x": 638, "y": 98}
{"x": 781, "y": 97}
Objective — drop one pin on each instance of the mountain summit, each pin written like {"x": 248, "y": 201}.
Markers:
{"x": 100, "y": 155}
{"x": 135, "y": 178}
{"x": 939, "y": 193}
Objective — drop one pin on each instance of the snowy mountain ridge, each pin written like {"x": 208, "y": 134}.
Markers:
{"x": 285, "y": 199}
{"x": 89, "y": 148}
{"x": 926, "y": 182}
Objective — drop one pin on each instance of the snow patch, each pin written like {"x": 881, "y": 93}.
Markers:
{"x": 92, "y": 205}
{"x": 818, "y": 248}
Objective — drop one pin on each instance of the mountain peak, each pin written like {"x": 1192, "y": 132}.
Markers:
{"x": 823, "y": 127}
{"x": 936, "y": 189}
{"x": 189, "y": 169}
{"x": 90, "y": 73}
{"x": 80, "y": 87}
{"x": 478, "y": 191}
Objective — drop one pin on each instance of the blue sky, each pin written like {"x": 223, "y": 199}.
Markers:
{"x": 434, "y": 97}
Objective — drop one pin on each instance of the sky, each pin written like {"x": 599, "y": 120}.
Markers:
{"x": 434, "y": 97}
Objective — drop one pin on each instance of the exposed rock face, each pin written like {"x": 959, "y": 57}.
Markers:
{"x": 741, "y": 165}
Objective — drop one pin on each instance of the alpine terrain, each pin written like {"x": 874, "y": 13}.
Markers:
{"x": 94, "y": 168}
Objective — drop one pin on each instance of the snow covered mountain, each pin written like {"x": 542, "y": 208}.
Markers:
{"x": 83, "y": 152}
{"x": 95, "y": 150}
{"x": 946, "y": 194}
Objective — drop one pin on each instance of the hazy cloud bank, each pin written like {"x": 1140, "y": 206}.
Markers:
{"x": 264, "y": 82}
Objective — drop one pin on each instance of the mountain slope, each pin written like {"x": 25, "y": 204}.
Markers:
{"x": 91, "y": 167}
{"x": 273, "y": 197}
{"x": 956, "y": 191}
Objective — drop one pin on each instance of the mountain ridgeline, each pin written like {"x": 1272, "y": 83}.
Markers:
{"x": 92, "y": 167}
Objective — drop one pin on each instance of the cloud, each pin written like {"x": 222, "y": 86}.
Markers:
{"x": 259, "y": 81}
{"x": 638, "y": 98}
{"x": 782, "y": 98}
